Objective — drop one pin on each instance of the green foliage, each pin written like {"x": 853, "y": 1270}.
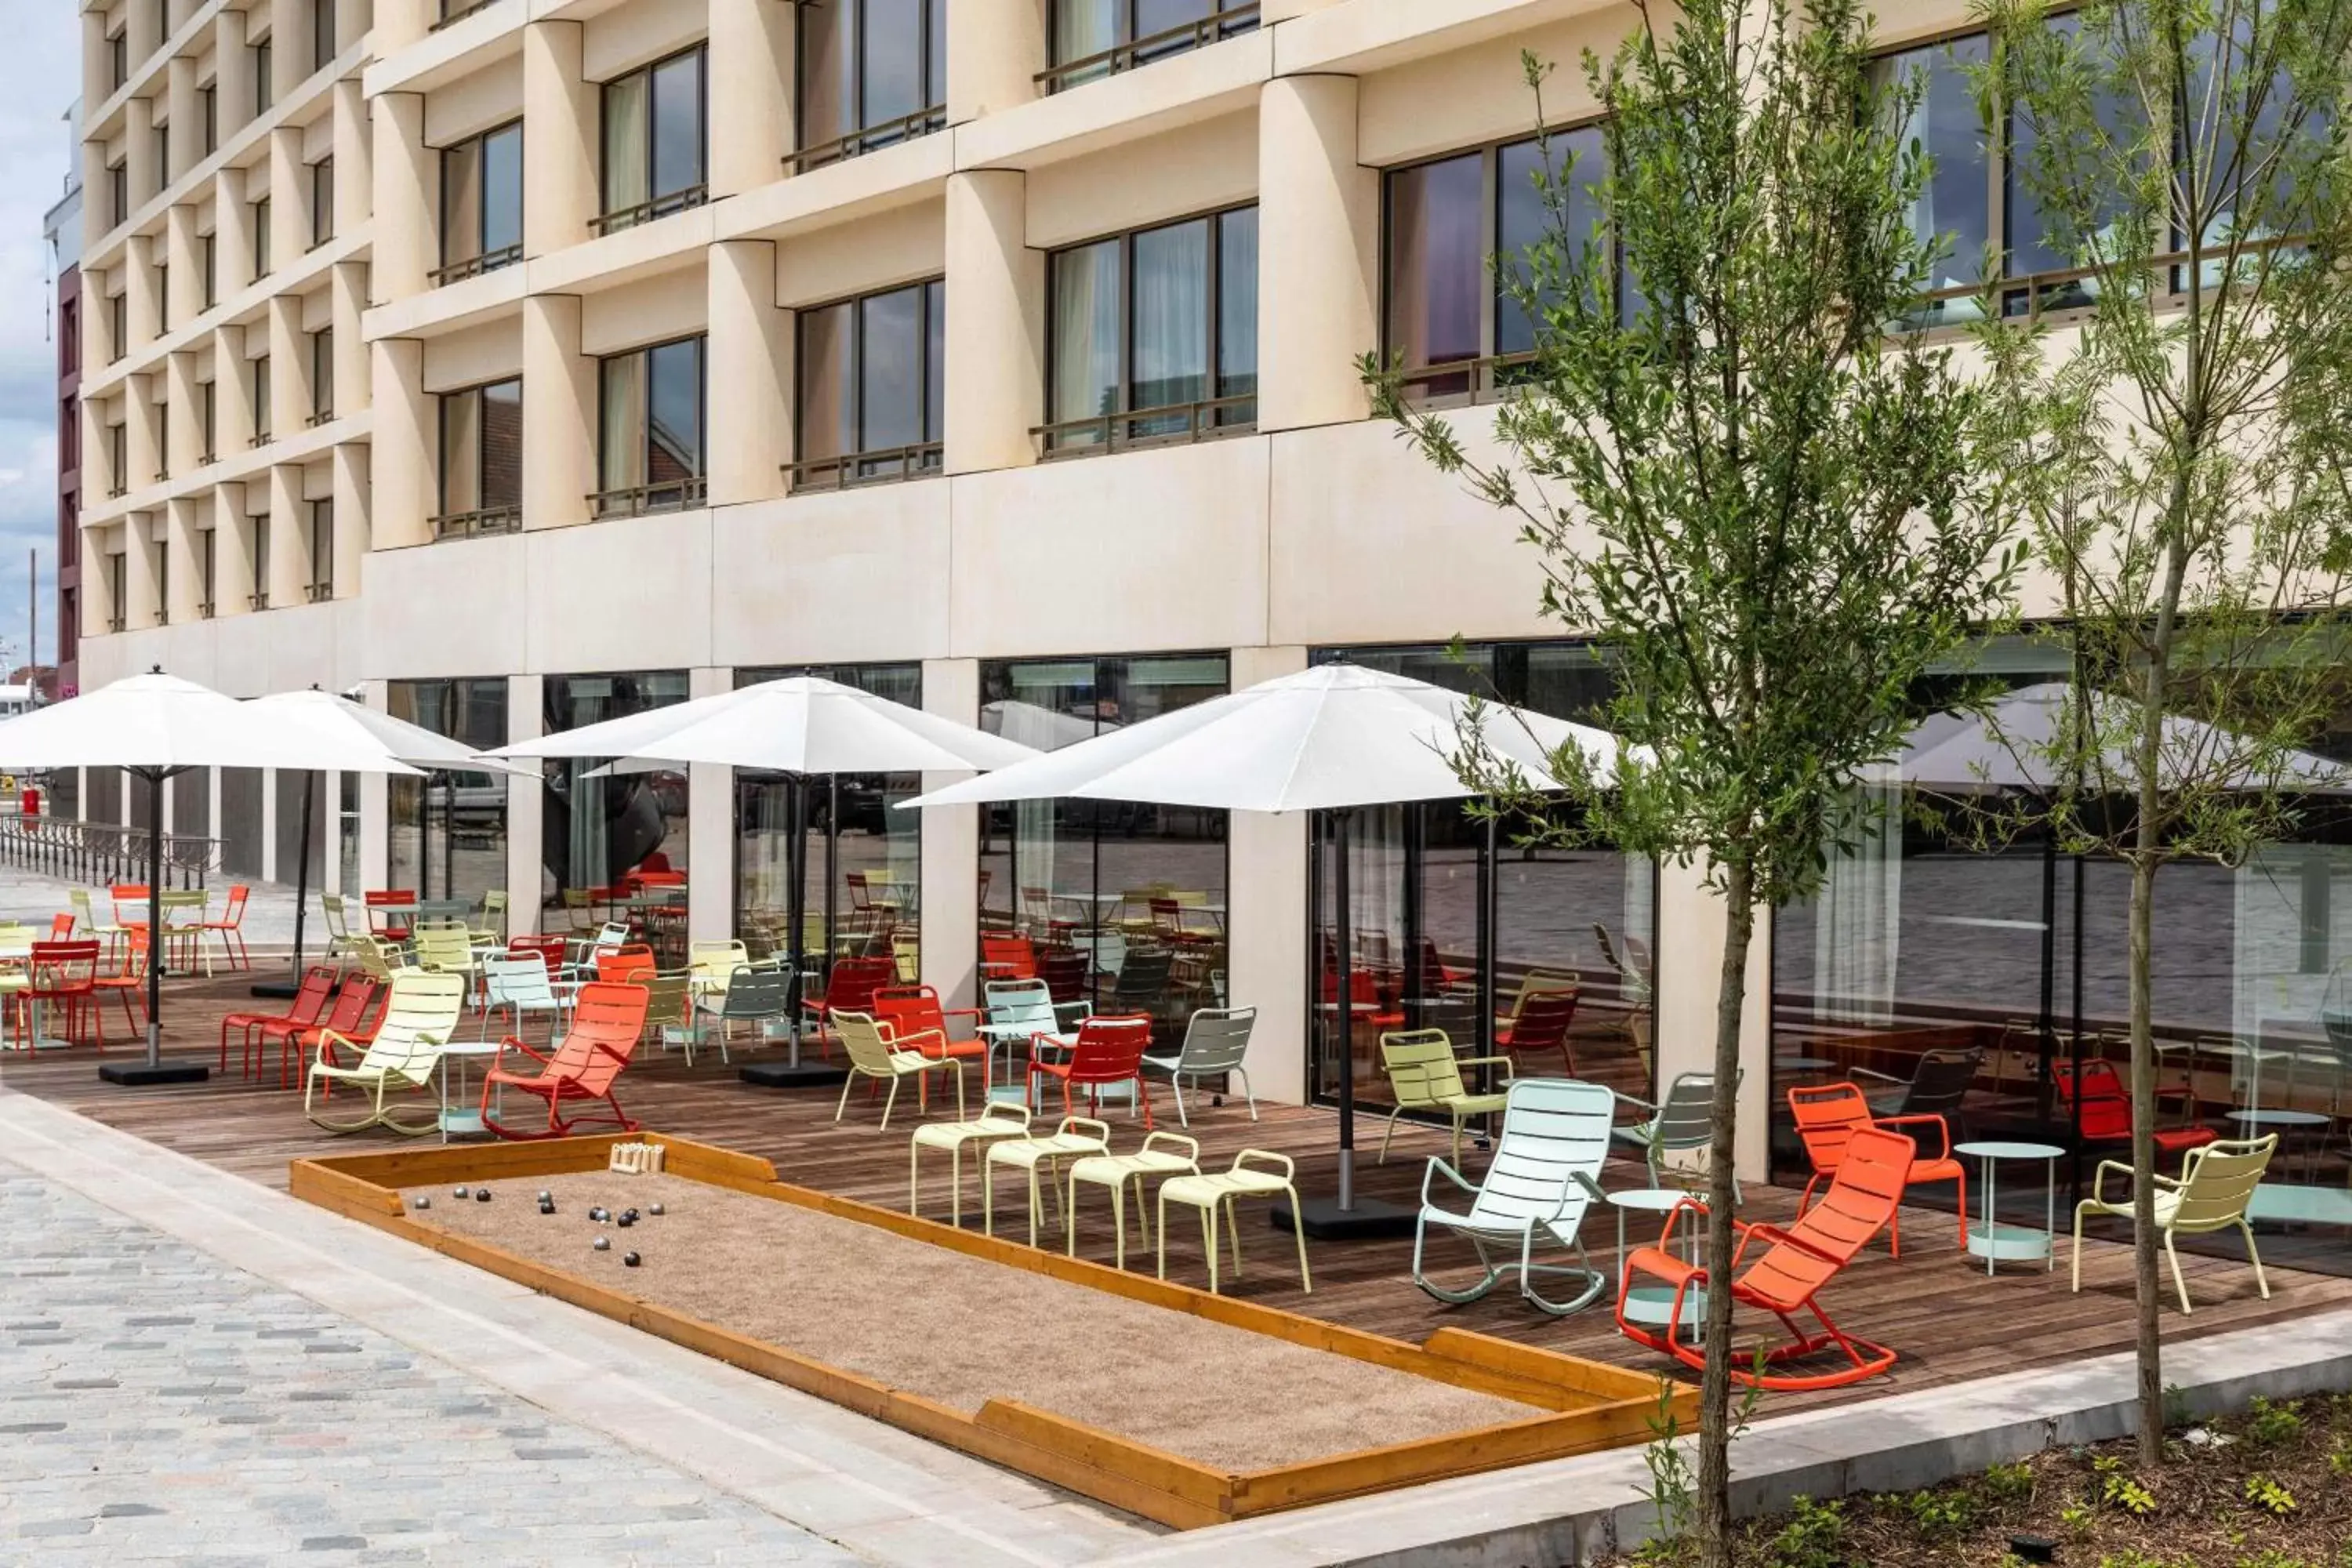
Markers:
{"x": 2268, "y": 1424}
{"x": 2009, "y": 1483}
{"x": 2078, "y": 1518}
{"x": 2270, "y": 1496}
{"x": 2339, "y": 1459}
{"x": 2119, "y": 1489}
{"x": 1814, "y": 1537}
{"x": 1937, "y": 1514}
{"x": 2270, "y": 1557}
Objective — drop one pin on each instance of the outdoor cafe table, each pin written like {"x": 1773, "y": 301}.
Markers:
{"x": 1990, "y": 1239}
{"x": 1654, "y": 1304}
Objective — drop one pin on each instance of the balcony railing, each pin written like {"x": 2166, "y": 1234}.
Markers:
{"x": 206, "y": 459}
{"x": 324, "y": 416}
{"x": 638, "y": 501}
{"x": 1229, "y": 22}
{"x": 116, "y": 492}
{"x": 259, "y": 599}
{"x": 116, "y": 622}
{"x": 1463, "y": 380}
{"x": 887, "y": 465}
{"x": 872, "y": 139}
{"x": 1174, "y": 424}
{"x": 320, "y": 592}
{"x": 476, "y": 524}
{"x": 620, "y": 219}
{"x": 455, "y": 11}
{"x": 475, "y": 266}
{"x": 204, "y": 611}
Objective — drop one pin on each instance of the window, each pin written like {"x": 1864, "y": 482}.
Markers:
{"x": 69, "y": 336}
{"x": 1093, "y": 39}
{"x": 264, "y": 90}
{"x": 118, "y": 460}
{"x": 208, "y": 256}
{"x": 322, "y": 375}
{"x": 481, "y": 204}
{"x": 208, "y": 560}
{"x": 872, "y": 388}
{"x": 323, "y": 202}
{"x": 163, "y": 298}
{"x": 118, "y": 57}
{"x": 69, "y": 433}
{"x": 261, "y": 239}
{"x": 481, "y": 462}
{"x": 118, "y": 192}
{"x": 162, "y": 156}
{"x": 1153, "y": 336}
{"x": 163, "y": 584}
{"x": 162, "y": 442}
{"x": 117, "y": 592}
{"x": 873, "y": 72}
{"x": 323, "y": 34}
{"x": 598, "y": 830}
{"x": 1954, "y": 209}
{"x": 118, "y": 326}
{"x": 209, "y": 108}
{"x": 258, "y": 525}
{"x": 322, "y": 551}
{"x": 447, "y": 831}
{"x": 207, "y": 416}
{"x": 1448, "y": 314}
{"x": 654, "y": 138}
{"x": 650, "y": 417}
{"x": 457, "y": 11}
{"x": 260, "y": 399}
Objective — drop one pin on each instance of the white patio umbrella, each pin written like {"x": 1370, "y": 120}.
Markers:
{"x": 1331, "y": 738}
{"x": 803, "y": 726}
{"x": 342, "y": 721}
{"x": 157, "y": 726}
{"x": 2009, "y": 746}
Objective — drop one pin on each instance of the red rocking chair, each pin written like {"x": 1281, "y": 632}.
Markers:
{"x": 582, "y": 1068}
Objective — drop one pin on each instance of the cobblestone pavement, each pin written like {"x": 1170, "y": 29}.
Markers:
{"x": 157, "y": 1405}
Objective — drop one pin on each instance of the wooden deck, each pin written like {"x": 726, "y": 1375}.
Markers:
{"x": 1947, "y": 1321}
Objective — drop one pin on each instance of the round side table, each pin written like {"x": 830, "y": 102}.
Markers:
{"x": 1996, "y": 1242}
{"x": 1652, "y": 1305}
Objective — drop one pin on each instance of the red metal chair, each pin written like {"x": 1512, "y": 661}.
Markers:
{"x": 1108, "y": 1050}
{"x": 230, "y": 927}
{"x": 619, "y": 965}
{"x": 1005, "y": 957}
{"x": 2104, "y": 1114}
{"x": 551, "y": 951}
{"x": 61, "y": 927}
{"x": 580, "y": 1070}
{"x": 62, "y": 976}
{"x": 128, "y": 982}
{"x": 913, "y": 1020}
{"x": 850, "y": 989}
{"x": 1540, "y": 1027}
{"x": 310, "y": 1005}
{"x": 349, "y": 1020}
{"x": 1830, "y": 1116}
{"x": 1785, "y": 1280}
{"x": 1064, "y": 970}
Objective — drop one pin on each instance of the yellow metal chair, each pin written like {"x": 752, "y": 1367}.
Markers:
{"x": 2215, "y": 1184}
{"x": 420, "y": 1016}
{"x": 1426, "y": 1075}
{"x": 872, "y": 1055}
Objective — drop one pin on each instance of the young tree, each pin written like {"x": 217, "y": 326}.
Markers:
{"x": 2180, "y": 434}
{"x": 1745, "y": 478}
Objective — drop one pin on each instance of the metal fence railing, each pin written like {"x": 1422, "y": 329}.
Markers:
{"x": 101, "y": 853}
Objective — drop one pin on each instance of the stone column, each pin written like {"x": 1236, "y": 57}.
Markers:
{"x": 290, "y": 44}
{"x": 232, "y": 392}
{"x": 232, "y": 555}
{"x": 1691, "y": 929}
{"x": 184, "y": 297}
{"x": 749, "y": 357}
{"x": 352, "y": 500}
{"x": 289, "y": 198}
{"x": 142, "y": 586}
{"x": 1319, "y": 254}
{"x": 353, "y": 145}
{"x": 96, "y": 74}
{"x": 526, "y": 811}
{"x": 187, "y": 120}
{"x": 751, "y": 79}
{"x": 710, "y": 830}
{"x": 1265, "y": 920}
{"x": 184, "y": 435}
{"x": 995, "y": 50}
{"x": 288, "y": 375}
{"x": 559, "y": 415}
{"x": 996, "y": 332}
{"x": 951, "y": 891}
{"x": 559, "y": 144}
{"x": 406, "y": 492}
{"x": 353, "y": 376}
{"x": 400, "y": 23}
{"x": 140, "y": 448}
{"x": 139, "y": 152}
{"x": 406, "y": 179}
{"x": 185, "y": 518}
{"x": 232, "y": 238}
{"x": 232, "y": 73}
{"x": 290, "y": 537}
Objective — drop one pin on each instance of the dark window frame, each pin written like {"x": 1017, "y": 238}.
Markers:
{"x": 322, "y": 375}
{"x": 668, "y": 495}
{"x": 865, "y": 136}
{"x": 452, "y": 271}
{"x": 866, "y": 466}
{"x": 322, "y": 586}
{"x": 322, "y": 203}
{"x": 1128, "y": 51}
{"x": 480, "y": 518}
{"x": 657, "y": 204}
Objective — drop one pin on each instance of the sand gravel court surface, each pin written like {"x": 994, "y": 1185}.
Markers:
{"x": 961, "y": 1330}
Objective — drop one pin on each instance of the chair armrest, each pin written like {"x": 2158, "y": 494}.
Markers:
{"x": 1635, "y": 1100}
{"x": 516, "y": 1043}
{"x": 1942, "y": 1127}
{"x": 328, "y": 1041}
{"x": 1268, "y": 1159}
{"x": 1592, "y": 1188}
{"x": 1881, "y": 1076}
{"x": 1503, "y": 1062}
{"x": 1436, "y": 1165}
{"x": 2099, "y": 1178}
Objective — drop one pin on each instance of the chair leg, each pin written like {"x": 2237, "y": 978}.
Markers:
{"x": 1298, "y": 1235}
{"x": 1389, "y": 1132}
{"x": 2178, "y": 1283}
{"x": 1209, "y": 1241}
{"x": 2076, "y": 1276}
{"x": 1162, "y": 1248}
{"x": 843, "y": 1105}
{"x": 1249, "y": 1095}
{"x": 890, "y": 1100}
{"x": 2254, "y": 1257}
{"x": 1176, "y": 1087}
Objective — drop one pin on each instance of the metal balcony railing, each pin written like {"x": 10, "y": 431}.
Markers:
{"x": 476, "y": 524}
{"x": 1173, "y": 424}
{"x": 638, "y": 501}
{"x": 1229, "y": 22}
{"x": 619, "y": 218}
{"x": 475, "y": 266}
{"x": 871, "y": 139}
{"x": 889, "y": 465}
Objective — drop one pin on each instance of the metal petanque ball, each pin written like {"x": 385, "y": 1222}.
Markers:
{"x": 602, "y": 1244}
{"x": 627, "y": 1219}
{"x": 423, "y": 1203}
{"x": 546, "y": 1206}
{"x": 545, "y": 1196}
{"x": 460, "y": 1192}
{"x": 629, "y": 1260}
{"x": 652, "y": 1208}
{"x": 599, "y": 1216}
{"x": 629, "y": 1215}
{"x": 481, "y": 1194}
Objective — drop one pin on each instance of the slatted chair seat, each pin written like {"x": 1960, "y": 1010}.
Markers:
{"x": 420, "y": 1016}
{"x": 1830, "y": 1116}
{"x": 580, "y": 1069}
{"x": 1797, "y": 1263}
{"x": 1545, "y": 1174}
{"x": 1216, "y": 1044}
{"x": 1675, "y": 1142}
{"x": 1426, "y": 1075}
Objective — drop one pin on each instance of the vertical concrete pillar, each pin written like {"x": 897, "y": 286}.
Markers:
{"x": 187, "y": 131}
{"x": 185, "y": 519}
{"x": 950, "y": 888}
{"x": 996, "y": 332}
{"x": 354, "y": 157}
{"x": 400, "y": 23}
{"x": 183, "y": 299}
{"x": 232, "y": 392}
{"x": 709, "y": 829}
{"x": 405, "y": 180}
{"x": 184, "y": 432}
{"x": 232, "y": 556}
{"x": 406, "y": 495}
{"x": 1691, "y": 929}
{"x": 995, "y": 50}
{"x": 232, "y": 234}
{"x": 558, "y": 417}
{"x": 526, "y": 811}
{"x": 289, "y": 380}
{"x": 1265, "y": 920}
{"x": 352, "y": 371}
{"x": 290, "y": 45}
{"x": 1319, "y": 254}
{"x": 97, "y": 214}
{"x": 752, "y": 81}
{"x": 352, "y": 497}
{"x": 142, "y": 448}
{"x": 749, "y": 345}
{"x": 141, "y": 581}
{"x": 560, "y": 149}
{"x": 142, "y": 309}
{"x": 290, "y": 537}
{"x": 97, "y": 76}
{"x": 232, "y": 74}
{"x": 289, "y": 198}
{"x": 139, "y": 152}
{"x": 375, "y": 815}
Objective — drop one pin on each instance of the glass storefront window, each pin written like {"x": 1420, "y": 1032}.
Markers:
{"x": 596, "y": 831}
{"x": 878, "y": 852}
{"x": 1954, "y": 209}
{"x": 1128, "y": 898}
{"x": 1431, "y": 906}
{"x": 446, "y": 832}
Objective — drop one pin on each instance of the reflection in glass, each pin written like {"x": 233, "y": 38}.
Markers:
{"x": 1237, "y": 312}
{"x": 481, "y": 201}
{"x": 1138, "y": 324}
{"x": 596, "y": 831}
{"x": 872, "y": 380}
{"x": 2041, "y": 241}
{"x": 1170, "y": 322}
{"x": 651, "y": 424}
{"x": 870, "y": 66}
{"x": 653, "y": 140}
{"x": 482, "y": 449}
{"x": 1085, "y": 335}
{"x": 674, "y": 438}
{"x": 1436, "y": 283}
{"x": 448, "y": 832}
{"x": 1953, "y": 211}
{"x": 1523, "y": 217}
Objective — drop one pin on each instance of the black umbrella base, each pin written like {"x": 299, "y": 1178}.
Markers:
{"x": 784, "y": 1074}
{"x": 139, "y": 1075}
{"x": 276, "y": 989}
{"x": 1325, "y": 1220}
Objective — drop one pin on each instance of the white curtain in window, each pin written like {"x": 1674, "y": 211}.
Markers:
{"x": 626, "y": 139}
{"x": 1083, "y": 29}
{"x": 1171, "y": 317}
{"x": 1858, "y": 917}
{"x": 1086, "y": 333}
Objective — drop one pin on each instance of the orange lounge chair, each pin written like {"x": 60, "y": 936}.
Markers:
{"x": 1784, "y": 1280}
{"x": 1830, "y": 1116}
{"x": 582, "y": 1068}
{"x": 1108, "y": 1050}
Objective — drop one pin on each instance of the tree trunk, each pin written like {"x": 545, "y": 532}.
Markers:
{"x": 2145, "y": 1289}
{"x": 1715, "y": 1383}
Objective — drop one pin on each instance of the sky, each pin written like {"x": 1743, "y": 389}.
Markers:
{"x": 40, "y": 71}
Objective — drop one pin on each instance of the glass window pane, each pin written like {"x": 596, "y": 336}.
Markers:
{"x": 1083, "y": 29}
{"x": 890, "y": 369}
{"x": 677, "y": 125}
{"x": 827, "y": 428}
{"x": 624, "y": 142}
{"x": 893, "y": 59}
{"x": 1085, "y": 335}
{"x": 1153, "y": 17}
{"x": 2038, "y": 239}
{"x": 461, "y": 447}
{"x": 935, "y": 362}
{"x": 1523, "y": 216}
{"x": 828, "y": 67}
{"x": 461, "y": 202}
{"x": 623, "y": 458}
{"x": 501, "y": 449}
{"x": 1237, "y": 312}
{"x": 1170, "y": 320}
{"x": 935, "y": 85}
{"x": 677, "y": 406}
{"x": 1436, "y": 282}
{"x": 1954, "y": 209}
{"x": 597, "y": 830}
{"x": 501, "y": 222}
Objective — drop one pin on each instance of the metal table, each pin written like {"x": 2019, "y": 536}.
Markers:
{"x": 1654, "y": 1304}
{"x": 1990, "y": 1239}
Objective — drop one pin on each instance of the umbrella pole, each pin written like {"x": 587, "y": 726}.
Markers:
{"x": 1344, "y": 1018}
{"x": 792, "y": 1073}
{"x": 155, "y": 917}
{"x": 832, "y": 858}
{"x": 2045, "y": 1040}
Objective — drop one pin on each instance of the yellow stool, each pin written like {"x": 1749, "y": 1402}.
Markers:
{"x": 1160, "y": 1157}
{"x": 1251, "y": 1177}
{"x": 1077, "y": 1137}
{"x": 1001, "y": 1118}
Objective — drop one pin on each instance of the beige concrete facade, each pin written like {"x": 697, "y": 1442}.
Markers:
{"x": 1314, "y": 529}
